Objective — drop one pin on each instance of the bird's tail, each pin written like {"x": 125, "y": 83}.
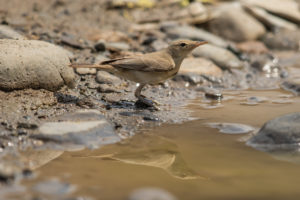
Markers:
{"x": 97, "y": 66}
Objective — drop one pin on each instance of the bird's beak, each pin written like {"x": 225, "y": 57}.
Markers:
{"x": 199, "y": 43}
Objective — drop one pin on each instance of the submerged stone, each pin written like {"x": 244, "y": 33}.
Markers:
{"x": 232, "y": 128}
{"x": 151, "y": 194}
{"x": 54, "y": 187}
{"x": 87, "y": 128}
{"x": 281, "y": 132}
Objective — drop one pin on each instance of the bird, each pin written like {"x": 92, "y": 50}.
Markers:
{"x": 150, "y": 68}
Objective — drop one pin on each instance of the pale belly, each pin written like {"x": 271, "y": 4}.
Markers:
{"x": 147, "y": 77}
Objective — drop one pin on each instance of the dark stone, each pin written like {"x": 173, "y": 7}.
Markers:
{"x": 27, "y": 125}
{"x": 281, "y": 132}
{"x": 100, "y": 46}
{"x": 292, "y": 86}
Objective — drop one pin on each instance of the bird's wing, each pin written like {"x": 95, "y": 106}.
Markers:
{"x": 147, "y": 62}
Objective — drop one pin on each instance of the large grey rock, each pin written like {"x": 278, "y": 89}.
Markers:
{"x": 235, "y": 24}
{"x": 283, "y": 40}
{"x": 86, "y": 128}
{"x": 281, "y": 132}
{"x": 222, "y": 57}
{"x": 190, "y": 32}
{"x": 7, "y": 32}
{"x": 288, "y": 8}
{"x": 33, "y": 64}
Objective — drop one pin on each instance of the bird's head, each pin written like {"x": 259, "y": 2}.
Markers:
{"x": 180, "y": 48}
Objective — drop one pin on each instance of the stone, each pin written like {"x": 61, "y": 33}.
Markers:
{"x": 199, "y": 66}
{"x": 232, "y": 128}
{"x": 158, "y": 45}
{"x": 292, "y": 85}
{"x": 87, "y": 128}
{"x": 288, "y": 9}
{"x": 151, "y": 194}
{"x": 104, "y": 77}
{"x": 235, "y": 24}
{"x": 74, "y": 41}
{"x": 194, "y": 13}
{"x": 104, "y": 88}
{"x": 283, "y": 40}
{"x": 85, "y": 71}
{"x": 7, "y": 32}
{"x": 117, "y": 46}
{"x": 33, "y": 64}
{"x": 254, "y": 47}
{"x": 269, "y": 20}
{"x": 53, "y": 187}
{"x": 281, "y": 132}
{"x": 100, "y": 46}
{"x": 221, "y": 57}
{"x": 176, "y": 31}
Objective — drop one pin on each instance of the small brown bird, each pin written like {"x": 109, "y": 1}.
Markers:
{"x": 150, "y": 68}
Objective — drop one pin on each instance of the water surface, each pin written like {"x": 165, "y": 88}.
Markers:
{"x": 191, "y": 160}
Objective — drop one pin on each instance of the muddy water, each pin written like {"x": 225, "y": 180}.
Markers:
{"x": 190, "y": 160}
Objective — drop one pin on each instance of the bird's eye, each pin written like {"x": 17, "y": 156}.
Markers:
{"x": 182, "y": 44}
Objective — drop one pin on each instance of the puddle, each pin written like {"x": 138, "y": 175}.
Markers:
{"x": 190, "y": 160}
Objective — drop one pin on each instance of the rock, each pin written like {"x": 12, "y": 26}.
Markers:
{"x": 281, "y": 132}
{"x": 8, "y": 33}
{"x": 283, "y": 40}
{"x": 221, "y": 57}
{"x": 231, "y": 128}
{"x": 235, "y": 24}
{"x": 158, "y": 45}
{"x": 33, "y": 64}
{"x": 151, "y": 194}
{"x": 84, "y": 71}
{"x": 189, "y": 32}
{"x": 86, "y": 128}
{"x": 292, "y": 85}
{"x": 74, "y": 41}
{"x": 100, "y": 46}
{"x": 104, "y": 88}
{"x": 269, "y": 20}
{"x": 194, "y": 13}
{"x": 117, "y": 46}
{"x": 288, "y": 9}
{"x": 53, "y": 187}
{"x": 252, "y": 101}
{"x": 100, "y": 58}
{"x": 107, "y": 78}
{"x": 211, "y": 93}
{"x": 254, "y": 47}
{"x": 199, "y": 66}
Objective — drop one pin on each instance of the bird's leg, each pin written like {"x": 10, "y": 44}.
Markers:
{"x": 143, "y": 99}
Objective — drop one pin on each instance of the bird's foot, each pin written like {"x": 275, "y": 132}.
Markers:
{"x": 151, "y": 101}
{"x": 148, "y": 103}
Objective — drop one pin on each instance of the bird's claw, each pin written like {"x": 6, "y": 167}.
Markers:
{"x": 151, "y": 103}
